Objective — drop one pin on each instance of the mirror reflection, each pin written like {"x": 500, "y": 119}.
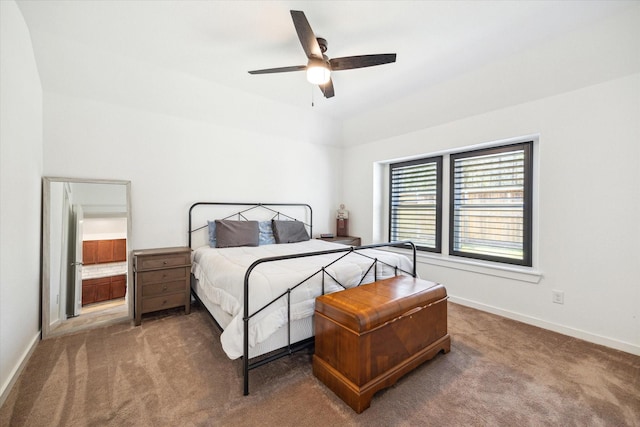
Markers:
{"x": 86, "y": 225}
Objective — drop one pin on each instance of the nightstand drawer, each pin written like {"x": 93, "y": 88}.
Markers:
{"x": 156, "y": 289}
{"x": 162, "y": 302}
{"x": 162, "y": 261}
{"x": 158, "y": 276}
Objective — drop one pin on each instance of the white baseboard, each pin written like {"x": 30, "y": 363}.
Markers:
{"x": 565, "y": 330}
{"x": 17, "y": 370}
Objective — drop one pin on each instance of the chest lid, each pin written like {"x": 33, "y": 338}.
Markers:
{"x": 369, "y": 306}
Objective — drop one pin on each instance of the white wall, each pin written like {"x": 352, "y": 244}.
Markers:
{"x": 588, "y": 55}
{"x": 97, "y": 198}
{"x": 581, "y": 94}
{"x": 104, "y": 228}
{"x": 179, "y": 139}
{"x": 20, "y": 193}
{"x": 173, "y": 162}
{"x": 589, "y": 207}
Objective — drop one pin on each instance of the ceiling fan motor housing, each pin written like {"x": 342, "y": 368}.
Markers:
{"x": 323, "y": 44}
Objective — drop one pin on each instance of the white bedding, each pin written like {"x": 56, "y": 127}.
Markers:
{"x": 221, "y": 274}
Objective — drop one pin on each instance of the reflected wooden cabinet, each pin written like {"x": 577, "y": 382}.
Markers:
{"x": 103, "y": 289}
{"x": 89, "y": 252}
{"x": 118, "y": 288}
{"x": 104, "y": 251}
{"x": 120, "y": 250}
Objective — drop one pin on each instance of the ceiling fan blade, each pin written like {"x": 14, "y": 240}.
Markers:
{"x": 279, "y": 70}
{"x": 327, "y": 89}
{"x": 361, "y": 61}
{"x": 305, "y": 34}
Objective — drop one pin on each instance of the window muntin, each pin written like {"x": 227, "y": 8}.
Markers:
{"x": 415, "y": 203}
{"x": 490, "y": 204}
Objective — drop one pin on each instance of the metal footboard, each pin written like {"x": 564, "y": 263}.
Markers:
{"x": 293, "y": 347}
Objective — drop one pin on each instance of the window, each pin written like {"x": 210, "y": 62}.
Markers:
{"x": 416, "y": 203}
{"x": 490, "y": 204}
{"x": 489, "y": 207}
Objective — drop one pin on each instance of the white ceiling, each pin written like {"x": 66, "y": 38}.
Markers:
{"x": 221, "y": 40}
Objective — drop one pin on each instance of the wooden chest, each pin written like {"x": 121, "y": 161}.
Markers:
{"x": 367, "y": 337}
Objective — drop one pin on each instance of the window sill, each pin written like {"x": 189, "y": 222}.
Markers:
{"x": 513, "y": 272}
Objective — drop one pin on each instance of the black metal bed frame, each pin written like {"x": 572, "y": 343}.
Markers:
{"x": 291, "y": 348}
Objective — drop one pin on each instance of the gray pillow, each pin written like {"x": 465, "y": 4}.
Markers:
{"x": 230, "y": 234}
{"x": 289, "y": 231}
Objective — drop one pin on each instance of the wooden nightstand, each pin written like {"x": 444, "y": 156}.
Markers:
{"x": 161, "y": 280}
{"x": 345, "y": 240}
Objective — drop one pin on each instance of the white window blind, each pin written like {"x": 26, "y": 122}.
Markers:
{"x": 490, "y": 204}
{"x": 415, "y": 202}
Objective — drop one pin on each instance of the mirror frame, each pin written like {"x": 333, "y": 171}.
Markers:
{"x": 46, "y": 329}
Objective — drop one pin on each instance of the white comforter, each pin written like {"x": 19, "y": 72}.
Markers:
{"x": 221, "y": 272}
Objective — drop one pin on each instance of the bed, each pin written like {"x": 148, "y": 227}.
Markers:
{"x": 257, "y": 271}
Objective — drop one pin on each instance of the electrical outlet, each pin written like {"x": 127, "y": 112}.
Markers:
{"x": 557, "y": 296}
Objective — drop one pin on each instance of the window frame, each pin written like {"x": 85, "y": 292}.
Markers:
{"x": 527, "y": 219}
{"x": 438, "y": 160}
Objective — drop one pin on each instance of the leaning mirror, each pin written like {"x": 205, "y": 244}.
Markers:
{"x": 86, "y": 225}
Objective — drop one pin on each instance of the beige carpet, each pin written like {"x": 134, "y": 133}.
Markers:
{"x": 171, "y": 371}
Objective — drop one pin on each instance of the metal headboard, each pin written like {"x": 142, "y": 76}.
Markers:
{"x": 245, "y": 208}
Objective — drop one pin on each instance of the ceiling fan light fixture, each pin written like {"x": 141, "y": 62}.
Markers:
{"x": 318, "y": 72}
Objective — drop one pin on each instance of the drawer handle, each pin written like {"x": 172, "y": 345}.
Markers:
{"x": 164, "y": 262}
{"x": 164, "y": 302}
{"x": 164, "y": 288}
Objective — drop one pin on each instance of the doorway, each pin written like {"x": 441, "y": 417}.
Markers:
{"x": 99, "y": 286}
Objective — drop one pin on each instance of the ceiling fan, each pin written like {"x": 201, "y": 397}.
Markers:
{"x": 319, "y": 66}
